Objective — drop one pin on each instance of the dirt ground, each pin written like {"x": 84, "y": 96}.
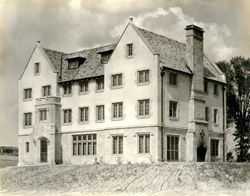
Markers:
{"x": 138, "y": 179}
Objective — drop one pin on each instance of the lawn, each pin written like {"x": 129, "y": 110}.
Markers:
{"x": 7, "y": 160}
{"x": 174, "y": 178}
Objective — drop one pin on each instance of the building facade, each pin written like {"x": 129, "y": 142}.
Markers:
{"x": 146, "y": 98}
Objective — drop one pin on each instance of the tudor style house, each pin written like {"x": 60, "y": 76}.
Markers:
{"x": 146, "y": 98}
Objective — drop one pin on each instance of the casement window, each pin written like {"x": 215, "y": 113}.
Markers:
{"x": 214, "y": 147}
{"x": 83, "y": 86}
{"x": 100, "y": 112}
{"x": 67, "y": 116}
{"x": 172, "y": 148}
{"x": 144, "y": 143}
{"x": 205, "y": 86}
{"x": 130, "y": 50}
{"x": 37, "y": 68}
{"x": 27, "y": 145}
{"x": 206, "y": 114}
{"x": 28, "y": 119}
{"x": 172, "y": 109}
{"x": 104, "y": 58}
{"x": 143, "y": 76}
{"x": 42, "y": 114}
{"x": 27, "y": 93}
{"x": 99, "y": 84}
{"x": 143, "y": 107}
{"x": 73, "y": 64}
{"x": 215, "y": 89}
{"x": 215, "y": 116}
{"x": 84, "y": 114}
{"x": 173, "y": 78}
{"x": 46, "y": 91}
{"x": 67, "y": 89}
{"x": 84, "y": 144}
{"x": 117, "y": 144}
{"x": 116, "y": 80}
{"x": 117, "y": 109}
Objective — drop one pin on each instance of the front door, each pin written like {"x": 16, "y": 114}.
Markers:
{"x": 172, "y": 148}
{"x": 44, "y": 150}
{"x": 201, "y": 153}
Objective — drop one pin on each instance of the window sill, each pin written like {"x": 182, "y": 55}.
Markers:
{"x": 130, "y": 56}
{"x": 173, "y": 118}
{"x": 143, "y": 117}
{"x": 27, "y": 126}
{"x": 37, "y": 74}
{"x": 142, "y": 83}
{"x": 116, "y": 87}
{"x": 100, "y": 121}
{"x": 67, "y": 124}
{"x": 99, "y": 91}
{"x": 117, "y": 155}
{"x": 67, "y": 95}
{"x": 28, "y": 99}
{"x": 83, "y": 122}
{"x": 84, "y": 155}
{"x": 84, "y": 93}
{"x": 143, "y": 154}
{"x": 216, "y": 124}
{"x": 117, "y": 119}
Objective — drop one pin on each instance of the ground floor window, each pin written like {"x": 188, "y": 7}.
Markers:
{"x": 214, "y": 147}
{"x": 144, "y": 143}
{"x": 117, "y": 144}
{"x": 27, "y": 146}
{"x": 172, "y": 148}
{"x": 84, "y": 144}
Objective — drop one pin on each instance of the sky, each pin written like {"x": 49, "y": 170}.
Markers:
{"x": 73, "y": 25}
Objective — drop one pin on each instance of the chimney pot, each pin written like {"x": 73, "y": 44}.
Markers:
{"x": 131, "y": 19}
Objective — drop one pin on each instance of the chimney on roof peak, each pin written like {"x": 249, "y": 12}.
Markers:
{"x": 131, "y": 19}
{"x": 38, "y": 42}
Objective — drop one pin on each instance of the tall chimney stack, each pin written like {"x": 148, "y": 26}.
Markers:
{"x": 194, "y": 55}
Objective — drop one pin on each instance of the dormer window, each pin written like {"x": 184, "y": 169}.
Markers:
{"x": 74, "y": 63}
{"x": 105, "y": 58}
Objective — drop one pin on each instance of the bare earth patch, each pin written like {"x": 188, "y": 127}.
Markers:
{"x": 153, "y": 179}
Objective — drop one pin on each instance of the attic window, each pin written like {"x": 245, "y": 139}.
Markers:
{"x": 74, "y": 63}
{"x": 130, "y": 50}
{"x": 105, "y": 58}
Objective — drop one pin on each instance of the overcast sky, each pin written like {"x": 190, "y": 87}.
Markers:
{"x": 72, "y": 25}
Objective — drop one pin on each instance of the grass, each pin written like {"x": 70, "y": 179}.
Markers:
{"x": 7, "y": 160}
{"x": 230, "y": 177}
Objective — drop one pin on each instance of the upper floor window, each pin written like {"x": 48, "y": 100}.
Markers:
{"x": 143, "y": 107}
{"x": 116, "y": 80}
{"x": 117, "y": 110}
{"x": 215, "y": 116}
{"x": 73, "y": 64}
{"x": 206, "y": 114}
{"x": 46, "y": 90}
{"x": 42, "y": 114}
{"x": 215, "y": 89}
{"x": 172, "y": 109}
{"x": 143, "y": 76}
{"x": 37, "y": 68}
{"x": 27, "y": 119}
{"x": 100, "y": 112}
{"x": 144, "y": 143}
{"x": 67, "y": 116}
{"x": 83, "y": 86}
{"x": 28, "y": 93}
{"x": 99, "y": 84}
{"x": 84, "y": 144}
{"x": 84, "y": 114}
{"x": 173, "y": 78}
{"x": 27, "y": 146}
{"x": 105, "y": 58}
{"x": 117, "y": 144}
{"x": 67, "y": 89}
{"x": 130, "y": 49}
{"x": 214, "y": 147}
{"x": 205, "y": 86}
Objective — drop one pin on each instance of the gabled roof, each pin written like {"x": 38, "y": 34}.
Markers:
{"x": 172, "y": 55}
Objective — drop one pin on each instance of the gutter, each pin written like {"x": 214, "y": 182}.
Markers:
{"x": 223, "y": 116}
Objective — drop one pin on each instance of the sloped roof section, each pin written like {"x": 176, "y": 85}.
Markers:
{"x": 173, "y": 54}
{"x": 55, "y": 58}
{"x": 92, "y": 66}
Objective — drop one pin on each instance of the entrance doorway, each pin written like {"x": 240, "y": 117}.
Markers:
{"x": 44, "y": 150}
{"x": 201, "y": 153}
{"x": 172, "y": 148}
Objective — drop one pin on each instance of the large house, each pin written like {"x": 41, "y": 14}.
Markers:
{"x": 146, "y": 98}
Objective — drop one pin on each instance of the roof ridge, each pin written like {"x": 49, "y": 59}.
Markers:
{"x": 91, "y": 48}
{"x": 53, "y": 50}
{"x": 161, "y": 35}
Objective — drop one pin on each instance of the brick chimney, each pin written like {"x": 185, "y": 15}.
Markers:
{"x": 194, "y": 55}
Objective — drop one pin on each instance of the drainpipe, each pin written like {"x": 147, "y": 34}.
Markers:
{"x": 223, "y": 116}
{"x": 162, "y": 114}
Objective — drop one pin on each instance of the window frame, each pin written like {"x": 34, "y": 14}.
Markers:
{"x": 117, "y": 146}
{"x": 71, "y": 62}
{"x": 24, "y": 94}
{"x": 41, "y": 114}
{"x": 144, "y": 71}
{"x": 86, "y": 83}
{"x": 170, "y": 150}
{"x": 65, "y": 88}
{"x": 29, "y": 119}
{"x": 119, "y": 106}
{"x": 44, "y": 88}
{"x": 170, "y": 82}
{"x": 69, "y": 116}
{"x": 176, "y": 111}
{"x": 214, "y": 152}
{"x": 145, "y": 114}
{"x": 143, "y": 149}
{"x": 130, "y": 50}
{"x": 37, "y": 64}
{"x": 97, "y": 82}
{"x": 85, "y": 140}
{"x": 118, "y": 78}
{"x": 97, "y": 113}
{"x": 216, "y": 116}
{"x": 80, "y": 114}
{"x": 27, "y": 147}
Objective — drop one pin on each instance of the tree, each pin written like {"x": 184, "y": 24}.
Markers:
{"x": 237, "y": 71}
